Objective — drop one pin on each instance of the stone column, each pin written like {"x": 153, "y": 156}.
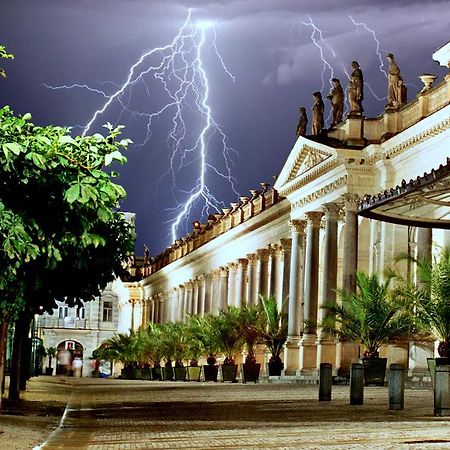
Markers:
{"x": 424, "y": 243}
{"x": 308, "y": 349}
{"x": 173, "y": 304}
{"x": 180, "y": 302}
{"x": 286, "y": 245}
{"x": 144, "y": 312}
{"x": 276, "y": 273}
{"x": 155, "y": 309}
{"x": 195, "y": 297}
{"x": 161, "y": 316}
{"x": 291, "y": 353}
{"x": 263, "y": 272}
{"x": 215, "y": 295}
{"x": 326, "y": 350}
{"x": 232, "y": 275}
{"x": 347, "y": 351}
{"x": 223, "y": 288}
{"x": 350, "y": 256}
{"x": 188, "y": 295}
{"x": 201, "y": 295}
{"x": 208, "y": 292}
{"x": 152, "y": 309}
{"x": 251, "y": 291}
{"x": 241, "y": 280}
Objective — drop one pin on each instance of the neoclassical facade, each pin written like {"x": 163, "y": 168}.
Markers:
{"x": 303, "y": 238}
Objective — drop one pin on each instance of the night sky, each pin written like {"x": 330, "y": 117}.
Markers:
{"x": 262, "y": 43}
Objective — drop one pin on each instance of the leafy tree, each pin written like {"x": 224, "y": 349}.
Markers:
{"x": 62, "y": 236}
{"x": 371, "y": 316}
{"x": 4, "y": 55}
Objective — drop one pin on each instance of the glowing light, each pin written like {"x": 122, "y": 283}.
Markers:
{"x": 316, "y": 42}
{"x": 179, "y": 69}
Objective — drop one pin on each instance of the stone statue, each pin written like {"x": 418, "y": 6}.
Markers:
{"x": 146, "y": 255}
{"x": 302, "y": 123}
{"x": 317, "y": 113}
{"x": 356, "y": 90}
{"x": 337, "y": 101}
{"x": 396, "y": 88}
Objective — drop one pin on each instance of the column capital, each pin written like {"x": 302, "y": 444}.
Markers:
{"x": 232, "y": 267}
{"x": 181, "y": 287}
{"x": 188, "y": 285}
{"x": 223, "y": 271}
{"x": 350, "y": 201}
{"x": 251, "y": 257}
{"x": 331, "y": 211}
{"x": 243, "y": 262}
{"x": 216, "y": 274}
{"x": 286, "y": 243}
{"x": 275, "y": 249}
{"x": 297, "y": 226}
{"x": 263, "y": 254}
{"x": 202, "y": 278}
{"x": 314, "y": 217}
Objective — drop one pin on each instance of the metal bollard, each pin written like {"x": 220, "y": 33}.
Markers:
{"x": 357, "y": 384}
{"x": 325, "y": 381}
{"x": 442, "y": 391}
{"x": 396, "y": 387}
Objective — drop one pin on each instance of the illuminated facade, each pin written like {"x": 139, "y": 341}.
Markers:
{"x": 304, "y": 238}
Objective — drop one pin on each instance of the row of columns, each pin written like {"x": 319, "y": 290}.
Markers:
{"x": 305, "y": 349}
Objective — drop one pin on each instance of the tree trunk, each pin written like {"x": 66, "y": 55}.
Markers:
{"x": 22, "y": 326}
{"x": 3, "y": 336}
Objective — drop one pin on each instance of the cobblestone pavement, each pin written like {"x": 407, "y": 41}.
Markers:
{"x": 119, "y": 414}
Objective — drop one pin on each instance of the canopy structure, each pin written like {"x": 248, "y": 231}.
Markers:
{"x": 423, "y": 202}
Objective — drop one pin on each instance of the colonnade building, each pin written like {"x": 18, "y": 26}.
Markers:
{"x": 304, "y": 238}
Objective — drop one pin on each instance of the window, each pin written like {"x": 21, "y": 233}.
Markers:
{"x": 107, "y": 311}
{"x": 63, "y": 311}
{"x": 81, "y": 312}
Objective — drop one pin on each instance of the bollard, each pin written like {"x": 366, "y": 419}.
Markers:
{"x": 396, "y": 387}
{"x": 325, "y": 381}
{"x": 442, "y": 391}
{"x": 357, "y": 384}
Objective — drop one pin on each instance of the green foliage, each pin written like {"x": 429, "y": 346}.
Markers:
{"x": 251, "y": 322}
{"x": 274, "y": 325}
{"x": 372, "y": 316}
{"x": 430, "y": 298}
{"x": 203, "y": 329}
{"x": 227, "y": 327}
{"x": 119, "y": 348}
{"x": 60, "y": 230}
{"x": 4, "y": 55}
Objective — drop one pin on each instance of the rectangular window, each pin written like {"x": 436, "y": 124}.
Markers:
{"x": 81, "y": 312}
{"x": 63, "y": 311}
{"x": 107, "y": 311}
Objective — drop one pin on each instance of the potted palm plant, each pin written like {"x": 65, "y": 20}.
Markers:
{"x": 155, "y": 350}
{"x": 178, "y": 334}
{"x": 204, "y": 330}
{"x": 372, "y": 316}
{"x": 274, "y": 332}
{"x": 194, "y": 350}
{"x": 230, "y": 339}
{"x": 250, "y": 328}
{"x": 51, "y": 352}
{"x": 430, "y": 299}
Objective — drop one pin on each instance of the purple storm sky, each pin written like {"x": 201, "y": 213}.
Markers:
{"x": 264, "y": 45}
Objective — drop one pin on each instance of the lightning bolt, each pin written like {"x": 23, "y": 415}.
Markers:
{"x": 378, "y": 53}
{"x": 315, "y": 41}
{"x": 179, "y": 70}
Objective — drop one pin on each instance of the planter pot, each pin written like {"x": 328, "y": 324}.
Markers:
{"x": 275, "y": 368}
{"x": 210, "y": 372}
{"x": 49, "y": 371}
{"x": 157, "y": 373}
{"x": 168, "y": 373}
{"x": 127, "y": 373}
{"x": 374, "y": 371}
{"x": 146, "y": 373}
{"x": 180, "y": 373}
{"x": 194, "y": 373}
{"x": 229, "y": 372}
{"x": 138, "y": 373}
{"x": 250, "y": 372}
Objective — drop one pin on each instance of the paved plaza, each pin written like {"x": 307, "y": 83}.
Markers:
{"x": 119, "y": 414}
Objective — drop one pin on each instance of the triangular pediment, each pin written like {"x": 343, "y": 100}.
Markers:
{"x": 303, "y": 158}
